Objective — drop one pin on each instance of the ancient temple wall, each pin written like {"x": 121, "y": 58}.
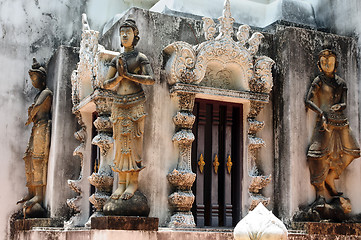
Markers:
{"x": 296, "y": 58}
{"x": 29, "y": 29}
{"x": 62, "y": 164}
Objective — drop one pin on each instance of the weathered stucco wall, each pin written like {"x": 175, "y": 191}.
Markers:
{"x": 30, "y": 29}
{"x": 27, "y": 29}
{"x": 296, "y": 58}
{"x": 38, "y": 28}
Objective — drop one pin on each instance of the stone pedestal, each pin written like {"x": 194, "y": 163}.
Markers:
{"x": 135, "y": 206}
{"x": 28, "y": 224}
{"x": 125, "y": 223}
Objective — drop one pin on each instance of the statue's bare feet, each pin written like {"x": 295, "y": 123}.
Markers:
{"x": 29, "y": 204}
{"x": 129, "y": 192}
{"x": 24, "y": 199}
{"x": 116, "y": 195}
{"x": 127, "y": 195}
{"x": 332, "y": 190}
{"x": 330, "y": 184}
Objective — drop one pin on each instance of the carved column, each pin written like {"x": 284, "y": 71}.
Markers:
{"x": 182, "y": 178}
{"x": 75, "y": 185}
{"x": 102, "y": 180}
{"x": 262, "y": 83}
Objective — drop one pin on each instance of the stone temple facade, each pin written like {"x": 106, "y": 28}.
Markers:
{"x": 226, "y": 126}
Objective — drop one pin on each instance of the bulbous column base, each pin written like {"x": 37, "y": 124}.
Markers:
{"x": 182, "y": 220}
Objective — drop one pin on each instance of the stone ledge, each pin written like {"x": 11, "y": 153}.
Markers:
{"x": 28, "y": 224}
{"x": 162, "y": 234}
{"x": 125, "y": 223}
{"x": 316, "y": 228}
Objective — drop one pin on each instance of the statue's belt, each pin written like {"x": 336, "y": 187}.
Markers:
{"x": 130, "y": 99}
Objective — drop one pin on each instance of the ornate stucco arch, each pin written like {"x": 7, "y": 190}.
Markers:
{"x": 196, "y": 71}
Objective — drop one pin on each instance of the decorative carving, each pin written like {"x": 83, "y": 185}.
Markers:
{"x": 262, "y": 81}
{"x": 243, "y": 34}
{"x": 254, "y": 42}
{"x": 254, "y": 126}
{"x": 260, "y": 224}
{"x": 98, "y": 199}
{"x": 103, "y": 141}
{"x": 186, "y": 101}
{"x": 258, "y": 183}
{"x": 333, "y": 146}
{"x": 257, "y": 199}
{"x": 217, "y": 66}
{"x": 209, "y": 28}
{"x": 182, "y": 220}
{"x": 103, "y": 123}
{"x": 216, "y": 164}
{"x": 218, "y": 79}
{"x": 255, "y": 109}
{"x": 181, "y": 200}
{"x": 184, "y": 119}
{"x": 226, "y": 22}
{"x": 229, "y": 164}
{"x": 37, "y": 152}
{"x": 75, "y": 185}
{"x": 183, "y": 180}
{"x": 201, "y": 163}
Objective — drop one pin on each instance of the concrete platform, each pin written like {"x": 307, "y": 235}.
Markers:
{"x": 161, "y": 234}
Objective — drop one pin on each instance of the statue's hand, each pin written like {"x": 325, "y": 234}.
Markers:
{"x": 122, "y": 67}
{"x": 324, "y": 121}
{"x": 336, "y": 107}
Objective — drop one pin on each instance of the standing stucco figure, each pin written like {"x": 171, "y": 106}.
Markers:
{"x": 126, "y": 74}
{"x": 37, "y": 153}
{"x": 333, "y": 146}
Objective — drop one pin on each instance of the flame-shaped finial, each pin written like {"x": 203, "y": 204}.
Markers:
{"x": 226, "y": 22}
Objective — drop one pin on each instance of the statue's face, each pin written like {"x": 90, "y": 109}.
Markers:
{"x": 36, "y": 80}
{"x": 328, "y": 64}
{"x": 126, "y": 36}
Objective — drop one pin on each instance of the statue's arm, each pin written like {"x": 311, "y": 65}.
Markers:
{"x": 111, "y": 80}
{"x": 147, "y": 76}
{"x": 343, "y": 101}
{"x": 310, "y": 96}
{"x": 45, "y": 98}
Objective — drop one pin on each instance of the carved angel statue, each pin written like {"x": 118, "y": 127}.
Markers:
{"x": 127, "y": 73}
{"x": 333, "y": 146}
{"x": 37, "y": 152}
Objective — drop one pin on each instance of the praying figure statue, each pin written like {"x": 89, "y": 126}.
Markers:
{"x": 127, "y": 72}
{"x": 333, "y": 146}
{"x": 37, "y": 153}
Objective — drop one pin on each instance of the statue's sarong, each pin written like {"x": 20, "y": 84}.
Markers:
{"x": 128, "y": 117}
{"x": 328, "y": 148}
{"x": 37, "y": 154}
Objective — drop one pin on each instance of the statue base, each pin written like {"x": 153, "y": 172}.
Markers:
{"x": 125, "y": 223}
{"x": 135, "y": 206}
{"x": 28, "y": 224}
{"x": 337, "y": 210}
{"x": 328, "y": 229}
